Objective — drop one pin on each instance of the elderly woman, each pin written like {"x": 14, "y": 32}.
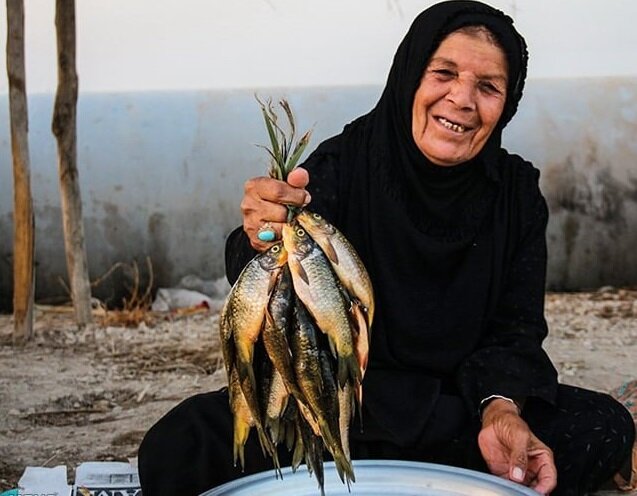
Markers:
{"x": 452, "y": 230}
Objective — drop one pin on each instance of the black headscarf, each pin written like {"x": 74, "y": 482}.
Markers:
{"x": 388, "y": 126}
{"x": 418, "y": 226}
{"x": 423, "y": 38}
{"x": 382, "y": 166}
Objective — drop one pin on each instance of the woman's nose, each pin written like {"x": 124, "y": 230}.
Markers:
{"x": 462, "y": 94}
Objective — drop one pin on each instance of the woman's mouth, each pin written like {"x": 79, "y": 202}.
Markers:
{"x": 452, "y": 126}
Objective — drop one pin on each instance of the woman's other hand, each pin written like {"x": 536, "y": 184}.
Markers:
{"x": 512, "y": 451}
{"x": 265, "y": 199}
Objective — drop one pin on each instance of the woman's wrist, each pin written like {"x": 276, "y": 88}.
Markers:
{"x": 498, "y": 405}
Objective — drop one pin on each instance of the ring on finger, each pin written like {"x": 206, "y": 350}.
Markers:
{"x": 266, "y": 233}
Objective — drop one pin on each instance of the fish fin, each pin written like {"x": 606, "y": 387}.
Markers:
{"x": 302, "y": 274}
{"x": 299, "y": 450}
{"x": 241, "y": 432}
{"x": 332, "y": 346}
{"x": 348, "y": 370}
{"x": 344, "y": 469}
{"x": 273, "y": 425}
{"x": 289, "y": 435}
{"x": 274, "y": 277}
{"x": 359, "y": 405}
{"x": 268, "y": 320}
{"x": 269, "y": 449}
{"x": 247, "y": 380}
{"x": 329, "y": 251}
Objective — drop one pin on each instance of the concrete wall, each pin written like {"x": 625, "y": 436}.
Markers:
{"x": 162, "y": 172}
{"x": 582, "y": 135}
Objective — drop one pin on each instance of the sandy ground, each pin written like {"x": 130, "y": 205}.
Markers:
{"x": 71, "y": 396}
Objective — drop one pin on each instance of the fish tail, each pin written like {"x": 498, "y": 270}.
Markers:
{"x": 299, "y": 448}
{"x": 334, "y": 445}
{"x": 241, "y": 432}
{"x": 273, "y": 425}
{"x": 348, "y": 370}
{"x": 359, "y": 405}
{"x": 269, "y": 449}
{"x": 344, "y": 468}
{"x": 238, "y": 454}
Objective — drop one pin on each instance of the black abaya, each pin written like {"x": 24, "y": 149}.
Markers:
{"x": 457, "y": 257}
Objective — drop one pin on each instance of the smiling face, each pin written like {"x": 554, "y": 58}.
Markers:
{"x": 460, "y": 98}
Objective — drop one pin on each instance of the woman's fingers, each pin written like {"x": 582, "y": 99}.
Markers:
{"x": 280, "y": 192}
{"x": 264, "y": 205}
{"x": 299, "y": 178}
{"x": 544, "y": 466}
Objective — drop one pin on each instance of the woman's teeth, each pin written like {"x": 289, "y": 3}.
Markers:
{"x": 458, "y": 128}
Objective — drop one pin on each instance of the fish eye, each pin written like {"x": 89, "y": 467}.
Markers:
{"x": 316, "y": 216}
{"x": 300, "y": 232}
{"x": 276, "y": 248}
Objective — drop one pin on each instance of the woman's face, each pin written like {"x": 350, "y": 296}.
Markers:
{"x": 460, "y": 98}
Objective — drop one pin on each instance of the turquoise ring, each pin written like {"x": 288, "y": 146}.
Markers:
{"x": 266, "y": 233}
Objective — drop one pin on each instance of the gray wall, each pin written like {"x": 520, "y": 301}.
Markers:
{"x": 582, "y": 134}
{"x": 162, "y": 172}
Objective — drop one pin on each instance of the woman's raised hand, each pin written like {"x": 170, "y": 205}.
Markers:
{"x": 264, "y": 204}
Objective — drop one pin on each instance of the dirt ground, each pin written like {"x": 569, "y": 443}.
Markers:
{"x": 71, "y": 396}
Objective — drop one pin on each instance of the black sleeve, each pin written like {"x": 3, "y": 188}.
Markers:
{"x": 239, "y": 252}
{"x": 510, "y": 360}
{"x": 322, "y": 167}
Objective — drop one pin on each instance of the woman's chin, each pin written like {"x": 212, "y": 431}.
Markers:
{"x": 447, "y": 157}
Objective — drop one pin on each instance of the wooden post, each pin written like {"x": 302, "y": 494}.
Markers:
{"x": 23, "y": 219}
{"x": 64, "y": 129}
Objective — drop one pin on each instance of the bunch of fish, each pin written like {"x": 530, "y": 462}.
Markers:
{"x": 295, "y": 335}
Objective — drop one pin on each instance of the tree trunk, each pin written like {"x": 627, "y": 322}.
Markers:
{"x": 23, "y": 219}
{"x": 64, "y": 129}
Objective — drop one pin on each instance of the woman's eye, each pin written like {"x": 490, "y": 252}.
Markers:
{"x": 443, "y": 73}
{"x": 490, "y": 88}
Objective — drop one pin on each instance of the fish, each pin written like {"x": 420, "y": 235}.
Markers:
{"x": 242, "y": 320}
{"x": 277, "y": 325}
{"x": 293, "y": 440}
{"x": 276, "y": 403}
{"x": 227, "y": 342}
{"x": 312, "y": 451}
{"x": 345, "y": 415}
{"x": 361, "y": 339}
{"x": 316, "y": 377}
{"x": 244, "y": 309}
{"x": 316, "y": 286}
{"x": 243, "y": 420}
{"x": 344, "y": 259}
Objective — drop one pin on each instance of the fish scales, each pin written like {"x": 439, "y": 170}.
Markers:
{"x": 316, "y": 286}
{"x": 242, "y": 319}
{"x": 344, "y": 259}
{"x": 315, "y": 377}
{"x": 276, "y": 329}
{"x": 243, "y": 420}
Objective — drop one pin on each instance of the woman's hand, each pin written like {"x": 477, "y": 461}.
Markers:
{"x": 512, "y": 451}
{"x": 265, "y": 200}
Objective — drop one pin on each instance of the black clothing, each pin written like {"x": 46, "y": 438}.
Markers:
{"x": 462, "y": 247}
{"x": 457, "y": 257}
{"x": 475, "y": 294}
{"x": 190, "y": 449}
